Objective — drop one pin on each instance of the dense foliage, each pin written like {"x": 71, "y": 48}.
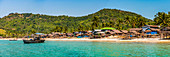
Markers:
{"x": 162, "y": 19}
{"x": 2, "y": 32}
{"x": 28, "y": 23}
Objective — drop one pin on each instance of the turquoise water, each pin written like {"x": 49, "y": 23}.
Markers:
{"x": 82, "y": 49}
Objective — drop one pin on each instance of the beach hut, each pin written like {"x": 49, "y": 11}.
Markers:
{"x": 79, "y": 35}
{"x": 109, "y": 33}
{"x": 136, "y": 29}
{"x": 69, "y": 34}
{"x": 151, "y": 32}
{"x": 137, "y": 32}
{"x": 117, "y": 32}
{"x": 165, "y": 33}
{"x": 89, "y": 33}
{"x": 124, "y": 32}
{"x": 95, "y": 31}
{"x": 97, "y": 34}
{"x": 133, "y": 34}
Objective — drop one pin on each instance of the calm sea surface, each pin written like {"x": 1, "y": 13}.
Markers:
{"x": 81, "y": 49}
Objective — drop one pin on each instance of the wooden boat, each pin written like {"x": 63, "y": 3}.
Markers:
{"x": 12, "y": 39}
{"x": 37, "y": 39}
{"x": 33, "y": 41}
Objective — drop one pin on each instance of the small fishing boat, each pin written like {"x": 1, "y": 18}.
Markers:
{"x": 12, "y": 39}
{"x": 33, "y": 41}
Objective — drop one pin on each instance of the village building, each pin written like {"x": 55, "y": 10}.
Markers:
{"x": 124, "y": 32}
{"x": 135, "y": 32}
{"x": 151, "y": 31}
{"x": 165, "y": 33}
{"x": 117, "y": 32}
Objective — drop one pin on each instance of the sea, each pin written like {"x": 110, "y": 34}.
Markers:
{"x": 83, "y": 49}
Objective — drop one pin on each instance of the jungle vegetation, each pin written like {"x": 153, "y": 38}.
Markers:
{"x": 21, "y": 24}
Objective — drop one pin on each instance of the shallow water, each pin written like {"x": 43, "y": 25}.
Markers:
{"x": 83, "y": 49}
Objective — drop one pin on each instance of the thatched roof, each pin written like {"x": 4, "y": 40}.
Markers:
{"x": 134, "y": 32}
{"x": 78, "y": 34}
{"x": 135, "y": 29}
{"x": 124, "y": 31}
{"x": 167, "y": 32}
{"x": 153, "y": 25}
{"x": 155, "y": 29}
{"x": 69, "y": 34}
{"x": 88, "y": 33}
{"x": 165, "y": 28}
{"x": 148, "y": 31}
{"x": 101, "y": 32}
{"x": 117, "y": 31}
{"x": 110, "y": 32}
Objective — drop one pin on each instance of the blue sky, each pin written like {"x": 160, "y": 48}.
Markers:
{"x": 146, "y": 8}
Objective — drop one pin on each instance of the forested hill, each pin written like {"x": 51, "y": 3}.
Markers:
{"x": 28, "y": 22}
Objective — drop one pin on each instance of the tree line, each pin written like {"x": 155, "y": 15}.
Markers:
{"x": 19, "y": 25}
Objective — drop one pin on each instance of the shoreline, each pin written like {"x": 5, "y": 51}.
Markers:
{"x": 137, "y": 40}
{"x": 114, "y": 40}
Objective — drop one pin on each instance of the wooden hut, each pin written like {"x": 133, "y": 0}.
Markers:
{"x": 69, "y": 34}
{"x": 124, "y": 32}
{"x": 64, "y": 35}
{"x": 136, "y": 29}
{"x": 89, "y": 33}
{"x": 165, "y": 33}
{"x": 109, "y": 33}
{"x": 117, "y": 32}
{"x": 135, "y": 32}
{"x": 152, "y": 32}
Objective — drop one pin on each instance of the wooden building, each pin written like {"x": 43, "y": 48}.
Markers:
{"x": 135, "y": 32}
{"x": 165, "y": 33}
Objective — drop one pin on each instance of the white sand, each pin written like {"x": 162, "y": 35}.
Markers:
{"x": 145, "y": 40}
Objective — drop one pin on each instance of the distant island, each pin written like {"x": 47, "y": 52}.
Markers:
{"x": 21, "y": 24}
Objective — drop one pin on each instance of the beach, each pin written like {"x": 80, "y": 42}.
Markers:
{"x": 143, "y": 40}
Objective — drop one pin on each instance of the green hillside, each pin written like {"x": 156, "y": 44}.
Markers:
{"x": 31, "y": 23}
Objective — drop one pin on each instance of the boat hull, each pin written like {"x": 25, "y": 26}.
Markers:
{"x": 12, "y": 40}
{"x": 33, "y": 41}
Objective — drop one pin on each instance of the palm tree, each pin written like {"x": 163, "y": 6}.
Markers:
{"x": 119, "y": 24}
{"x": 134, "y": 22}
{"x": 127, "y": 19}
{"x": 141, "y": 21}
{"x": 95, "y": 22}
{"x": 162, "y": 19}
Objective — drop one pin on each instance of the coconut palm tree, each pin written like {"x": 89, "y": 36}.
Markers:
{"x": 162, "y": 19}
{"x": 95, "y": 22}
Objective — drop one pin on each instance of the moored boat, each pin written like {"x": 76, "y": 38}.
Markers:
{"x": 12, "y": 39}
{"x": 37, "y": 39}
{"x": 33, "y": 41}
